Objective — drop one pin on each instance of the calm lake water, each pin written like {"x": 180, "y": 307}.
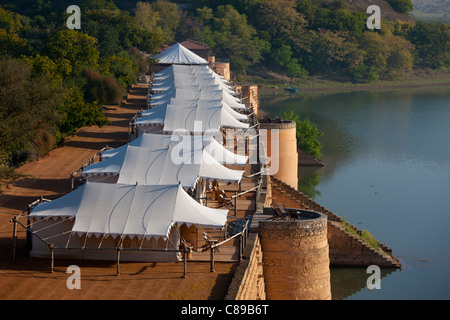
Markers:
{"x": 387, "y": 170}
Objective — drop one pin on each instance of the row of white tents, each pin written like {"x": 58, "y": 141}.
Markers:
{"x": 137, "y": 197}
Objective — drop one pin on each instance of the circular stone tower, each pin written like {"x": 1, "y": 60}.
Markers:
{"x": 296, "y": 263}
{"x": 280, "y": 138}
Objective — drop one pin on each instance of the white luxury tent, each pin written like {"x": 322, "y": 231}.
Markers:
{"x": 162, "y": 161}
{"x": 93, "y": 220}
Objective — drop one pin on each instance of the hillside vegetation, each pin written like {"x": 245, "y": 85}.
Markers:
{"x": 54, "y": 80}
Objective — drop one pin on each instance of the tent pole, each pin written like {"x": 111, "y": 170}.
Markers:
{"x": 118, "y": 261}
{"x": 14, "y": 238}
{"x": 235, "y": 204}
{"x": 29, "y": 233}
{"x": 212, "y": 259}
{"x": 240, "y": 246}
{"x": 52, "y": 262}
{"x": 185, "y": 262}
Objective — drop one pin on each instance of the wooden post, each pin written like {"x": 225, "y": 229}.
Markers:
{"x": 240, "y": 247}
{"x": 52, "y": 255}
{"x": 212, "y": 259}
{"x": 118, "y": 261}
{"x": 185, "y": 262}
{"x": 14, "y": 220}
{"x": 235, "y": 204}
{"x": 29, "y": 233}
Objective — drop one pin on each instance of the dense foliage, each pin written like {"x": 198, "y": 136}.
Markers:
{"x": 308, "y": 134}
{"x": 326, "y": 37}
{"x": 54, "y": 80}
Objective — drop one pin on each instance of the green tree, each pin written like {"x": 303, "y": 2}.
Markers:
{"x": 233, "y": 38}
{"x": 147, "y": 17}
{"x": 333, "y": 51}
{"x": 10, "y": 21}
{"x": 279, "y": 17}
{"x": 168, "y": 18}
{"x": 402, "y": 6}
{"x": 118, "y": 30}
{"x": 340, "y": 20}
{"x": 122, "y": 68}
{"x": 76, "y": 113}
{"x": 72, "y": 50}
{"x": 307, "y": 134}
{"x": 44, "y": 66}
{"x": 282, "y": 57}
{"x": 11, "y": 44}
{"x": 432, "y": 44}
{"x": 28, "y": 116}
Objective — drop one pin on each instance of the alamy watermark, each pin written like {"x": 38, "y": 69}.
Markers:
{"x": 374, "y": 281}
{"x": 74, "y": 21}
{"x": 374, "y": 21}
{"x": 73, "y": 281}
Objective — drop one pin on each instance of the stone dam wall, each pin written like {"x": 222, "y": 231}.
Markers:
{"x": 252, "y": 281}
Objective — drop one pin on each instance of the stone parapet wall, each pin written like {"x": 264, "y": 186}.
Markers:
{"x": 348, "y": 250}
{"x": 248, "y": 280}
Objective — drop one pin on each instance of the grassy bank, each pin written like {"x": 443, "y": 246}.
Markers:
{"x": 326, "y": 84}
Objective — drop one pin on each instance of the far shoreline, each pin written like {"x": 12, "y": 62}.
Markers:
{"x": 319, "y": 85}
{"x": 352, "y": 88}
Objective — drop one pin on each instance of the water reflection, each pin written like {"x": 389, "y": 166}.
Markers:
{"x": 387, "y": 170}
{"x": 308, "y": 180}
{"x": 346, "y": 282}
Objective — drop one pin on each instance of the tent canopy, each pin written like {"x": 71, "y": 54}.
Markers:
{"x": 177, "y": 54}
{"x": 211, "y": 145}
{"x": 165, "y": 161}
{"x": 195, "y": 116}
{"x": 129, "y": 210}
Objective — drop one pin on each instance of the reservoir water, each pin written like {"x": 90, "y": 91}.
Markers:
{"x": 387, "y": 170}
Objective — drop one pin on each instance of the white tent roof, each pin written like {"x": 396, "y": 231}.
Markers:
{"x": 153, "y": 117}
{"x": 206, "y": 116}
{"x": 197, "y": 78}
{"x": 211, "y": 145}
{"x": 166, "y": 96}
{"x": 129, "y": 210}
{"x": 165, "y": 161}
{"x": 193, "y": 102}
{"x": 195, "y": 116}
{"x": 177, "y": 54}
{"x": 191, "y": 77}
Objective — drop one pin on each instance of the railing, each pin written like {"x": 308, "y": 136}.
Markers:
{"x": 86, "y": 164}
{"x": 185, "y": 247}
{"x": 243, "y": 234}
{"x": 30, "y": 232}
